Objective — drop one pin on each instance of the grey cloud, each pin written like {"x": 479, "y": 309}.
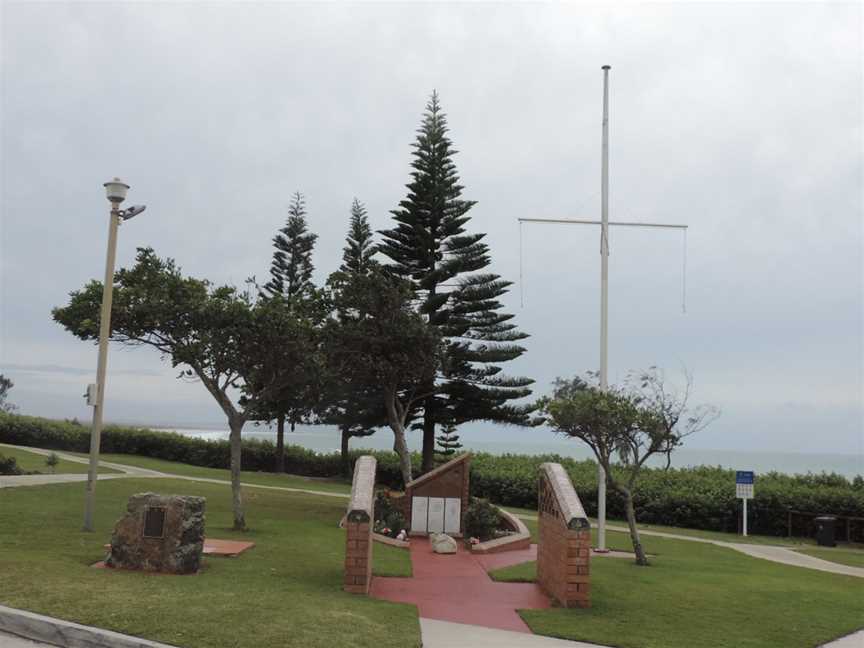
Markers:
{"x": 71, "y": 371}
{"x": 742, "y": 120}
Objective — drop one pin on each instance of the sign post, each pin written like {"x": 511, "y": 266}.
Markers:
{"x": 744, "y": 491}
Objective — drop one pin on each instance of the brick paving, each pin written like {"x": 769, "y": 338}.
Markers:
{"x": 456, "y": 588}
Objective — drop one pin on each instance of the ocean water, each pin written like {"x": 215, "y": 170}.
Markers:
{"x": 326, "y": 439}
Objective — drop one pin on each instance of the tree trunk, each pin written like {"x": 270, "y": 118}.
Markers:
{"x": 236, "y": 425}
{"x": 280, "y": 443}
{"x": 428, "y": 437}
{"x": 346, "y": 462}
{"x": 402, "y": 451}
{"x": 397, "y": 424}
{"x": 641, "y": 558}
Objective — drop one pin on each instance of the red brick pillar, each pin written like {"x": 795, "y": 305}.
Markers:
{"x": 564, "y": 543}
{"x": 358, "y": 524}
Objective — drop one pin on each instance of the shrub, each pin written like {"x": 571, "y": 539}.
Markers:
{"x": 9, "y": 466}
{"x": 482, "y": 519}
{"x": 51, "y": 461}
{"x": 388, "y": 519}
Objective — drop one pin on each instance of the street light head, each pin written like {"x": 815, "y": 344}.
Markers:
{"x": 115, "y": 190}
{"x": 132, "y": 211}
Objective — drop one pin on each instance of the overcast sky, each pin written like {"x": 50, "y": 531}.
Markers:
{"x": 743, "y": 121}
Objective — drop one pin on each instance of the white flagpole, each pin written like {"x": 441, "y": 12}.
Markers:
{"x": 604, "y": 300}
{"x": 604, "y": 224}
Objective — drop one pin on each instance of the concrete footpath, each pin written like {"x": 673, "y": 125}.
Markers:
{"x": 765, "y": 552}
{"x": 443, "y": 634}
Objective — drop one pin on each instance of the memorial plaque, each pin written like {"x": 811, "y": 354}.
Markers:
{"x": 163, "y": 533}
{"x": 452, "y": 515}
{"x": 435, "y": 501}
{"x": 436, "y": 515}
{"x": 419, "y": 507}
{"x": 154, "y": 522}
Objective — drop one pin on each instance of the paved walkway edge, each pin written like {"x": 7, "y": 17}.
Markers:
{"x": 65, "y": 633}
{"x": 854, "y": 640}
{"x": 444, "y": 634}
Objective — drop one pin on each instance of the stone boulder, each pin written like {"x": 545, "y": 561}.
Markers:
{"x": 163, "y": 533}
{"x": 442, "y": 543}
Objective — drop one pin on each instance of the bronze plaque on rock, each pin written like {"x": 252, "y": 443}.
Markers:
{"x": 154, "y": 522}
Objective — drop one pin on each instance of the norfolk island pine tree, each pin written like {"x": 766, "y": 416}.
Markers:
{"x": 429, "y": 247}
{"x": 357, "y": 412}
{"x": 291, "y": 280}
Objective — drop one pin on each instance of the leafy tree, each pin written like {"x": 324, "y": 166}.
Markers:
{"x": 630, "y": 423}
{"x": 448, "y": 442}
{"x": 6, "y": 386}
{"x": 356, "y": 410}
{"x": 378, "y": 345}
{"x": 291, "y": 281}
{"x": 430, "y": 247}
{"x": 215, "y": 334}
{"x": 296, "y": 363}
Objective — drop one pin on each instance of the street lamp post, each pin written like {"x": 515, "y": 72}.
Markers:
{"x": 115, "y": 191}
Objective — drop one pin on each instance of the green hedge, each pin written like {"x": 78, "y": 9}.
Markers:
{"x": 701, "y": 498}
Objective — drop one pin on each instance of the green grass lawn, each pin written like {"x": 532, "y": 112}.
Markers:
{"x": 249, "y": 477}
{"x": 697, "y": 594}
{"x": 614, "y": 540}
{"x": 31, "y": 461}
{"x": 286, "y": 591}
{"x": 842, "y": 555}
{"x": 695, "y": 533}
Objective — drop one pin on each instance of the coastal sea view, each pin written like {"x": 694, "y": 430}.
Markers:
{"x": 325, "y": 439}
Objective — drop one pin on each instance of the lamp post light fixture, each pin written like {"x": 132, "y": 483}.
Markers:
{"x": 115, "y": 191}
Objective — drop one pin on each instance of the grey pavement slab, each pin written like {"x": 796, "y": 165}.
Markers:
{"x": 443, "y": 634}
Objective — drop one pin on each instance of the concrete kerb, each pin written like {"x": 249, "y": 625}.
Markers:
{"x": 66, "y": 634}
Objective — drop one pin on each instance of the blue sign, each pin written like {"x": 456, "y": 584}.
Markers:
{"x": 743, "y": 476}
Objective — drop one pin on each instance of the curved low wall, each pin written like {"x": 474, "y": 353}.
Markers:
{"x": 519, "y": 539}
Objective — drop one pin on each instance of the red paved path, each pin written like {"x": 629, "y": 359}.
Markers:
{"x": 456, "y": 588}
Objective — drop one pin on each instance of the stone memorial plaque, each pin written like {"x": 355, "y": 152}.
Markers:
{"x": 419, "y": 508}
{"x": 154, "y": 522}
{"x": 452, "y": 515}
{"x": 436, "y": 515}
{"x": 162, "y": 533}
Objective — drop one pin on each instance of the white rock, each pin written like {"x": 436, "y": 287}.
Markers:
{"x": 442, "y": 543}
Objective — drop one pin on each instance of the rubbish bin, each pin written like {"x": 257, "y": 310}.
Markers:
{"x": 825, "y": 528}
